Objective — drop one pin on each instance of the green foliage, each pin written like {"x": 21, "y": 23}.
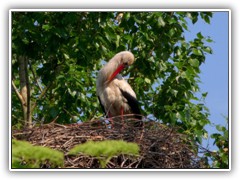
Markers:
{"x": 65, "y": 51}
{"x": 105, "y": 150}
{"x": 220, "y": 157}
{"x": 25, "y": 155}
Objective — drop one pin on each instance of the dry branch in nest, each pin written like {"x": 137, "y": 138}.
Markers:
{"x": 160, "y": 146}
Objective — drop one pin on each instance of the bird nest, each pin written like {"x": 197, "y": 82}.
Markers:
{"x": 160, "y": 146}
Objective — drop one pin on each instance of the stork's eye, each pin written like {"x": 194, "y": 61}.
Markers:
{"x": 125, "y": 64}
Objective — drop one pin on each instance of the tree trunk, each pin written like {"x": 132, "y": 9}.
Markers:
{"x": 25, "y": 90}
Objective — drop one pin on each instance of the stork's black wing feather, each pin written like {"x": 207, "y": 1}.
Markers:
{"x": 102, "y": 105}
{"x": 133, "y": 103}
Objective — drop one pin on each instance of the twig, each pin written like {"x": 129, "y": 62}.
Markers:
{"x": 40, "y": 96}
{"x": 60, "y": 125}
{"x": 124, "y": 161}
{"x": 68, "y": 141}
{"x": 34, "y": 76}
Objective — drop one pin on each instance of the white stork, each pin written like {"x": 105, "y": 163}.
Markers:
{"x": 114, "y": 93}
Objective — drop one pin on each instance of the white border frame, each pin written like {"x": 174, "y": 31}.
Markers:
{"x": 125, "y": 10}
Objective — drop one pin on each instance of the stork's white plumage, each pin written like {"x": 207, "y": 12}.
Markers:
{"x": 114, "y": 93}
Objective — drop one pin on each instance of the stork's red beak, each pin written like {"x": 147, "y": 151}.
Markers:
{"x": 118, "y": 70}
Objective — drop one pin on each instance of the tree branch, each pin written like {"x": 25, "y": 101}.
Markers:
{"x": 35, "y": 77}
{"x": 29, "y": 114}
{"x": 25, "y": 90}
{"x": 18, "y": 94}
{"x": 40, "y": 96}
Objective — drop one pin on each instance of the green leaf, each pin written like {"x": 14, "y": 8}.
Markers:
{"x": 194, "y": 17}
{"x": 197, "y": 52}
{"x": 161, "y": 22}
{"x": 174, "y": 92}
{"x": 185, "y": 26}
{"x": 207, "y": 49}
{"x": 194, "y": 62}
{"x": 117, "y": 41}
{"x": 46, "y": 27}
{"x": 220, "y": 128}
{"x": 127, "y": 15}
{"x": 209, "y": 40}
{"x": 207, "y": 19}
{"x": 204, "y": 95}
{"x": 199, "y": 35}
{"x": 66, "y": 56}
{"x": 148, "y": 81}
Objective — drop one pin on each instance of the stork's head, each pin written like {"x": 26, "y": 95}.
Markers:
{"x": 121, "y": 61}
{"x": 126, "y": 58}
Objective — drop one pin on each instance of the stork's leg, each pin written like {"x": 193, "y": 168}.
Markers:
{"x": 110, "y": 119}
{"x": 122, "y": 117}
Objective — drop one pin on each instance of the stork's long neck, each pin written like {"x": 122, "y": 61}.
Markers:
{"x": 110, "y": 70}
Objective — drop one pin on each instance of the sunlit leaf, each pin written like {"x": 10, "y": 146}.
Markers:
{"x": 161, "y": 21}
{"x": 194, "y": 62}
{"x": 197, "y": 52}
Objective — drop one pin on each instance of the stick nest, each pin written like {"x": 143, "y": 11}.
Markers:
{"x": 160, "y": 146}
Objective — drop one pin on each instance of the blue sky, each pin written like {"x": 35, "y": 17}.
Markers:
{"x": 214, "y": 73}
